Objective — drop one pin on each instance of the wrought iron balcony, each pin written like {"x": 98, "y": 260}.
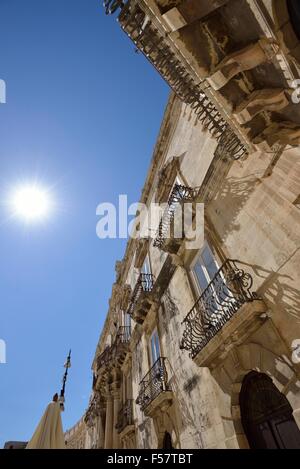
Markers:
{"x": 125, "y": 416}
{"x": 179, "y": 195}
{"x": 140, "y": 299}
{"x": 153, "y": 384}
{"x": 157, "y": 49}
{"x": 229, "y": 290}
{"x": 115, "y": 354}
{"x": 104, "y": 358}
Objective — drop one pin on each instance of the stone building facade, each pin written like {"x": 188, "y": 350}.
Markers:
{"x": 200, "y": 347}
{"x": 77, "y": 436}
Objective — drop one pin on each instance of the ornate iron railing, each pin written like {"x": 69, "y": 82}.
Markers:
{"x": 125, "y": 416}
{"x": 144, "y": 283}
{"x": 104, "y": 358}
{"x": 180, "y": 194}
{"x": 155, "y": 47}
{"x": 113, "y": 351}
{"x": 222, "y": 298}
{"x": 155, "y": 382}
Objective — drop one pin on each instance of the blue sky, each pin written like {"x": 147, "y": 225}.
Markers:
{"x": 82, "y": 116}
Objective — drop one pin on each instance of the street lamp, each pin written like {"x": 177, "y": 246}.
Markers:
{"x": 67, "y": 365}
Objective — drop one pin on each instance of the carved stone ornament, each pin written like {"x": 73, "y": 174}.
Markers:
{"x": 285, "y": 133}
{"x": 118, "y": 270}
{"x": 167, "y": 176}
{"x": 142, "y": 247}
{"x": 261, "y": 100}
{"x": 245, "y": 59}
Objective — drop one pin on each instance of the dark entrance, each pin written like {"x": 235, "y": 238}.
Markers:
{"x": 267, "y": 415}
{"x": 167, "y": 443}
{"x": 294, "y": 12}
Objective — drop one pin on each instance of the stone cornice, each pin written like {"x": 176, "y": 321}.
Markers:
{"x": 168, "y": 126}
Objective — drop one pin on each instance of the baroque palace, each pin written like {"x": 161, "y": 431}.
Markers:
{"x": 201, "y": 347}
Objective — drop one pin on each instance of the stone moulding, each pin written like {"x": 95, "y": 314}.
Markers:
{"x": 244, "y": 323}
{"x": 154, "y": 45}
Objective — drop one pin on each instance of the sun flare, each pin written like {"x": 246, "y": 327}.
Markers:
{"x": 31, "y": 202}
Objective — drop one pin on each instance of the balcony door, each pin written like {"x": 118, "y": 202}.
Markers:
{"x": 154, "y": 347}
{"x": 204, "y": 268}
{"x": 146, "y": 267}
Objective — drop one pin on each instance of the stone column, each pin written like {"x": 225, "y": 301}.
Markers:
{"x": 116, "y": 397}
{"x": 108, "y": 441}
{"x": 100, "y": 431}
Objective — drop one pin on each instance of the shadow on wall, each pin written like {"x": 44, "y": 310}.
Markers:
{"x": 230, "y": 200}
{"x": 277, "y": 291}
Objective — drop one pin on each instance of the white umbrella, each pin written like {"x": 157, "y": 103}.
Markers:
{"x": 49, "y": 432}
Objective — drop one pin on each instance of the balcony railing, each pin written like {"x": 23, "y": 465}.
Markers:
{"x": 230, "y": 288}
{"x": 179, "y": 195}
{"x": 157, "y": 50}
{"x": 125, "y": 416}
{"x": 144, "y": 284}
{"x": 154, "y": 383}
{"x": 104, "y": 358}
{"x": 117, "y": 350}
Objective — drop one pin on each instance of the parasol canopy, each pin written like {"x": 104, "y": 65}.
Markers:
{"x": 49, "y": 432}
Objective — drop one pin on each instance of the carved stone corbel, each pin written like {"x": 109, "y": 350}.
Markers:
{"x": 245, "y": 59}
{"x": 167, "y": 176}
{"x": 142, "y": 247}
{"x": 126, "y": 294}
{"x": 261, "y": 100}
{"x": 119, "y": 270}
{"x": 284, "y": 133}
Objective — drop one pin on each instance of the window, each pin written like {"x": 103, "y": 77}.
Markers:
{"x": 127, "y": 320}
{"x": 204, "y": 268}
{"x": 154, "y": 347}
{"x": 146, "y": 268}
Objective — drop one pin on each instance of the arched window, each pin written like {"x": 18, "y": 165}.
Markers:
{"x": 266, "y": 414}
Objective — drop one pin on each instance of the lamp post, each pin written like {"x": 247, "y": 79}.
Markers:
{"x": 67, "y": 365}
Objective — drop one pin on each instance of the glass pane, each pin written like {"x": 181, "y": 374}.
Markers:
{"x": 127, "y": 320}
{"x": 209, "y": 262}
{"x": 146, "y": 266}
{"x": 155, "y": 349}
{"x": 200, "y": 274}
{"x": 152, "y": 351}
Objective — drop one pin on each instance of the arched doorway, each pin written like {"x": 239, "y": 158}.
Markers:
{"x": 266, "y": 414}
{"x": 293, "y": 7}
{"x": 167, "y": 443}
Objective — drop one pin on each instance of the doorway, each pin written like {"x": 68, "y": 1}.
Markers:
{"x": 266, "y": 414}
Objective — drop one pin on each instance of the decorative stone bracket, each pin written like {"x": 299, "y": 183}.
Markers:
{"x": 284, "y": 133}
{"x": 167, "y": 176}
{"x": 262, "y": 100}
{"x": 245, "y": 59}
{"x": 142, "y": 247}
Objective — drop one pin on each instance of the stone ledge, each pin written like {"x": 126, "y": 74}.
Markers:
{"x": 160, "y": 404}
{"x": 244, "y": 322}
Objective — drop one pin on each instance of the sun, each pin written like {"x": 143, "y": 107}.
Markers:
{"x": 31, "y": 202}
